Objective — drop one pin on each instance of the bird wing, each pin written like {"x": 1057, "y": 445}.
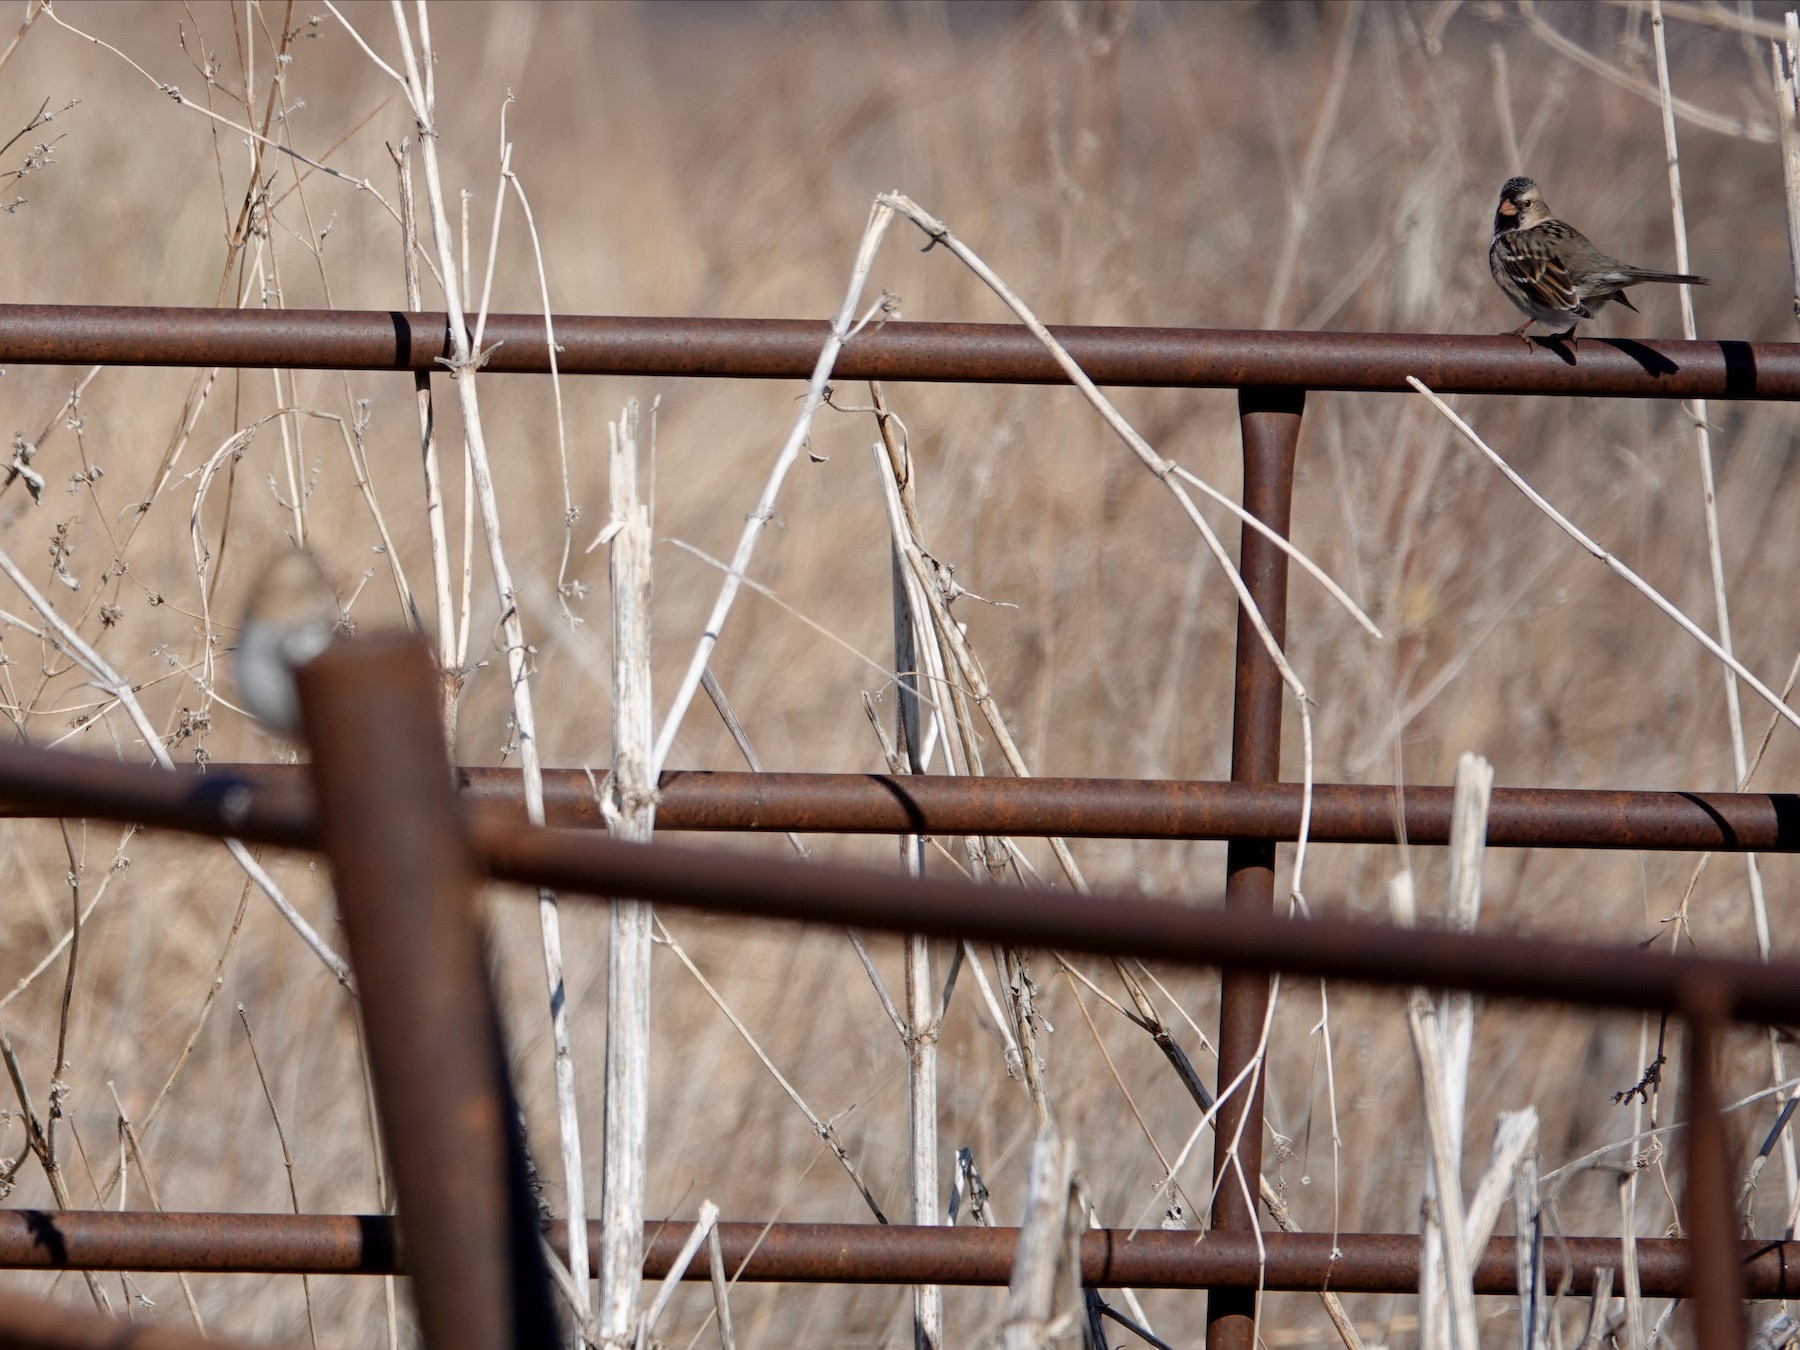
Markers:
{"x": 1537, "y": 261}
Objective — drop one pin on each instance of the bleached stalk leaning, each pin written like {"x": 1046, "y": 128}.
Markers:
{"x": 1048, "y": 1232}
{"x": 721, "y": 1291}
{"x": 1703, "y": 436}
{"x": 928, "y": 644}
{"x": 1474, "y": 789}
{"x": 949, "y": 668}
{"x": 435, "y": 528}
{"x": 630, "y": 814}
{"x": 842, "y": 329}
{"x": 924, "y": 1015}
{"x": 1637, "y": 583}
{"x": 1169, "y": 474}
{"x": 705, "y": 1225}
{"x": 1443, "y": 1037}
{"x": 1528, "y": 1223}
{"x": 418, "y": 82}
{"x": 1446, "y": 1308}
{"x": 924, "y": 1023}
{"x": 1787, "y": 118}
{"x": 1163, "y": 469}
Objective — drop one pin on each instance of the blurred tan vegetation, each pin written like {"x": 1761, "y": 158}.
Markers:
{"x": 1156, "y": 164}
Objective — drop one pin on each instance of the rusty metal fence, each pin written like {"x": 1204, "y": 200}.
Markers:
{"x": 379, "y": 801}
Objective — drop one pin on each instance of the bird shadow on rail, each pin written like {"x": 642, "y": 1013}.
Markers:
{"x": 1652, "y": 361}
{"x": 1739, "y": 358}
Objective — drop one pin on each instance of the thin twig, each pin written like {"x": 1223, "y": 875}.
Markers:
{"x": 1643, "y": 587}
{"x": 842, "y": 329}
{"x": 39, "y": 1142}
{"x": 823, "y": 1127}
{"x": 287, "y": 1159}
{"x": 73, "y": 645}
{"x": 130, "y": 1137}
{"x": 1700, "y": 117}
{"x": 1163, "y": 470}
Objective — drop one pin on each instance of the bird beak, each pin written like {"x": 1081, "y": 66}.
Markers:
{"x": 1508, "y": 209}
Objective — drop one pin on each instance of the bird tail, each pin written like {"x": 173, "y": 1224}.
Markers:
{"x": 1637, "y": 274}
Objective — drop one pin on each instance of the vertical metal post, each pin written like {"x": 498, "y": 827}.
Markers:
{"x": 405, "y": 877}
{"x": 1270, "y": 423}
{"x": 1714, "y": 1275}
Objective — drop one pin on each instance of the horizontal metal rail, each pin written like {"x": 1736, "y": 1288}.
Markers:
{"x": 862, "y": 1253}
{"x": 1271, "y": 371}
{"x": 961, "y": 352}
{"x": 1119, "y": 808}
{"x": 1587, "y": 975}
{"x": 38, "y": 1324}
{"x": 583, "y": 862}
{"x": 273, "y": 803}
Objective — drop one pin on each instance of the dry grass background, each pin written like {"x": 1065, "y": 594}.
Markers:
{"x": 1146, "y": 165}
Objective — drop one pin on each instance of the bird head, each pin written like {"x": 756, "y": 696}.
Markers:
{"x": 292, "y": 616}
{"x": 1521, "y": 206}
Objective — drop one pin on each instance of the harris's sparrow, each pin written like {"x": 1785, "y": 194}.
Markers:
{"x": 1550, "y": 270}
{"x": 292, "y": 615}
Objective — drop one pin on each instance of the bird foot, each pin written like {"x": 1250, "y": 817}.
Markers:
{"x": 1568, "y": 335}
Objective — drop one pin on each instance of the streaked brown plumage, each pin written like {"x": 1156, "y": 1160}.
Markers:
{"x": 1551, "y": 270}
